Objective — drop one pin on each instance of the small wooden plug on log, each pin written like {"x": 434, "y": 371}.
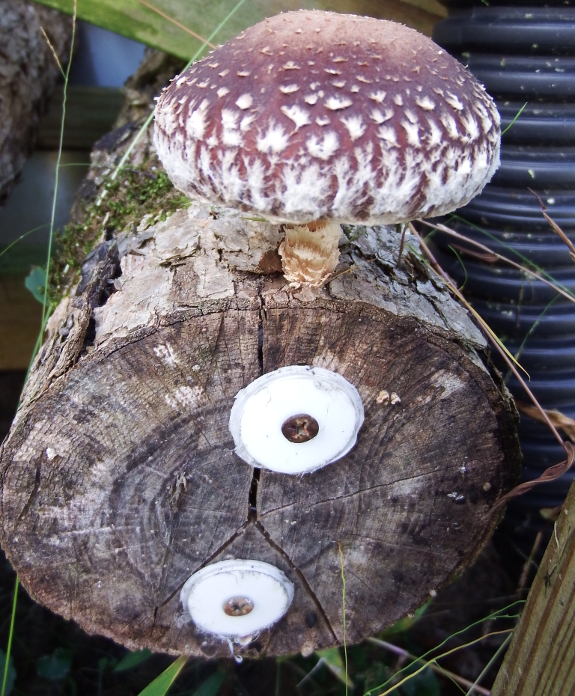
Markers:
{"x": 119, "y": 477}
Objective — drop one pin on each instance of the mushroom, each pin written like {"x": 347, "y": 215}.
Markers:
{"x": 296, "y": 419}
{"x": 237, "y": 599}
{"x": 314, "y": 119}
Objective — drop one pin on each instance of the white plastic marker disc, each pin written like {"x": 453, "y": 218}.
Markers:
{"x": 208, "y": 594}
{"x": 261, "y": 409}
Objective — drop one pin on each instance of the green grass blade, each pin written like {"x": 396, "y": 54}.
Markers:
{"x": 346, "y": 679}
{"x": 132, "y": 659}
{"x": 45, "y": 315}
{"x": 7, "y": 248}
{"x": 517, "y": 115}
{"x": 10, "y": 636}
{"x": 45, "y": 308}
{"x": 161, "y": 684}
{"x": 212, "y": 685}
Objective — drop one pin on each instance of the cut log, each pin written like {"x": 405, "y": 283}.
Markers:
{"x": 119, "y": 479}
{"x": 119, "y": 476}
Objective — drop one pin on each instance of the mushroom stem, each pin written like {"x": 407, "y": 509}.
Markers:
{"x": 310, "y": 252}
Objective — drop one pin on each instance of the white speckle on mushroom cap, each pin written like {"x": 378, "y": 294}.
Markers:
{"x": 316, "y": 146}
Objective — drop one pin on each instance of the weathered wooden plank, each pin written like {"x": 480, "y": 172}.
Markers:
{"x": 541, "y": 658}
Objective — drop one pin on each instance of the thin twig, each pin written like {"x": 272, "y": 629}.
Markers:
{"x": 312, "y": 671}
{"x": 436, "y": 668}
{"x": 498, "y": 614}
{"x": 57, "y": 171}
{"x": 554, "y": 226}
{"x": 344, "y": 623}
{"x": 525, "y": 572}
{"x": 51, "y": 47}
{"x": 552, "y": 472}
{"x": 445, "y": 654}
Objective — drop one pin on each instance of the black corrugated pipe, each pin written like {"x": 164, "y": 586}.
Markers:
{"x": 524, "y": 54}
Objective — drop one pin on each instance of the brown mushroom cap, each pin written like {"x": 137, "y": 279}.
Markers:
{"x": 315, "y": 115}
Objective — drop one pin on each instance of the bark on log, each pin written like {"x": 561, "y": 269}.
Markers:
{"x": 28, "y": 72}
{"x": 119, "y": 479}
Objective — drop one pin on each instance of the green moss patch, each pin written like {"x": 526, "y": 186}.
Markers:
{"x": 118, "y": 205}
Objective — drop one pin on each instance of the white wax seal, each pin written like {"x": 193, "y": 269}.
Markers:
{"x": 237, "y": 598}
{"x": 296, "y": 419}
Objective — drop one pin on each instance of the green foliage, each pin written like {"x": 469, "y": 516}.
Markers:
{"x": 375, "y": 674}
{"x": 132, "y": 659}
{"x": 212, "y": 685}
{"x": 161, "y": 684}
{"x": 10, "y": 673}
{"x": 56, "y": 666}
{"x": 402, "y": 626}
{"x": 36, "y": 283}
{"x": 133, "y": 19}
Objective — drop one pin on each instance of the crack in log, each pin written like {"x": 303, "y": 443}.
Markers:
{"x": 221, "y": 548}
{"x": 253, "y": 496}
{"x": 252, "y": 500}
{"x": 278, "y": 549}
{"x": 32, "y": 495}
{"x": 355, "y": 493}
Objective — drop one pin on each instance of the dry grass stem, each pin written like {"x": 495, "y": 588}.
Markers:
{"x": 494, "y": 254}
{"x": 436, "y": 668}
{"x": 553, "y": 472}
{"x": 560, "y": 420}
{"x": 555, "y": 227}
